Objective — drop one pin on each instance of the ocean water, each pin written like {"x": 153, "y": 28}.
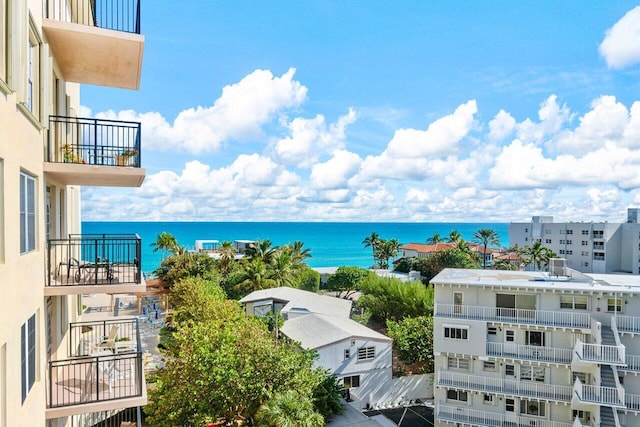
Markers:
{"x": 332, "y": 244}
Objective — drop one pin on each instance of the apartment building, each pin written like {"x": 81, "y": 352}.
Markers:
{"x": 526, "y": 348}
{"x": 55, "y": 369}
{"x": 589, "y": 247}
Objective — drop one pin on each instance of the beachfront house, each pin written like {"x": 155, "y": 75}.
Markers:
{"x": 359, "y": 356}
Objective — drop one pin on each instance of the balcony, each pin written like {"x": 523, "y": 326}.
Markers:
{"x": 491, "y": 419}
{"x": 94, "y": 263}
{"x": 529, "y": 352}
{"x": 599, "y": 395}
{"x": 537, "y": 390}
{"x": 632, "y": 402}
{"x": 600, "y": 353}
{"x": 557, "y": 319}
{"x": 628, "y": 324}
{"x": 129, "y": 417}
{"x": 104, "y": 370}
{"x": 96, "y": 42}
{"x": 96, "y": 152}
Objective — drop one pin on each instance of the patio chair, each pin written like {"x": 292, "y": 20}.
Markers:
{"x": 109, "y": 342}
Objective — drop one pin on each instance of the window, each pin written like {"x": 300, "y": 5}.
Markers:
{"x": 614, "y": 305}
{"x": 488, "y": 399}
{"x": 598, "y": 234}
{"x": 532, "y": 373}
{"x": 574, "y": 302}
{"x": 27, "y": 213}
{"x": 585, "y": 232}
{"x": 510, "y": 370}
{"x": 28, "y": 355}
{"x": 569, "y": 252}
{"x": 492, "y": 330}
{"x": 535, "y": 338}
{"x": 582, "y": 376}
{"x": 598, "y": 256}
{"x": 583, "y": 415}
{"x": 547, "y": 231}
{"x": 347, "y": 354}
{"x": 4, "y": 40}
{"x": 547, "y": 241}
{"x": 569, "y": 242}
{"x": 510, "y": 405}
{"x": 561, "y": 251}
{"x": 526, "y": 239}
{"x": 457, "y": 302}
{"x": 569, "y": 231}
{"x": 456, "y": 333}
{"x": 526, "y": 230}
{"x": 366, "y": 353}
{"x": 458, "y": 364}
{"x": 459, "y": 395}
{"x": 562, "y": 231}
{"x": 489, "y": 366}
{"x": 584, "y": 253}
{"x": 585, "y": 243}
{"x": 532, "y": 407}
{"x": 562, "y": 241}
{"x": 351, "y": 382}
{"x": 585, "y": 263}
{"x": 32, "y": 100}
{"x": 510, "y": 336}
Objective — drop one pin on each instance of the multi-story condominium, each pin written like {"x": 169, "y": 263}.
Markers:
{"x": 525, "y": 348}
{"x": 55, "y": 369}
{"x": 589, "y": 247}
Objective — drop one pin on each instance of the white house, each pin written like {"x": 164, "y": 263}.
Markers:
{"x": 359, "y": 356}
{"x": 355, "y": 353}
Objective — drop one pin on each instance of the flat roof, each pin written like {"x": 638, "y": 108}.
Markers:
{"x": 575, "y": 281}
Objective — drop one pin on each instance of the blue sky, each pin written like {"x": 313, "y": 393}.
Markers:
{"x": 382, "y": 111}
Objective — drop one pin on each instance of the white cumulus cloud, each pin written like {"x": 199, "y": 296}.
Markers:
{"x": 621, "y": 45}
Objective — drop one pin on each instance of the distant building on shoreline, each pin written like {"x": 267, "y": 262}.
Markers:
{"x": 588, "y": 247}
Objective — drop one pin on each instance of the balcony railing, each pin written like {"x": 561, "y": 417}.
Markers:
{"x": 106, "y": 365}
{"x": 610, "y": 396}
{"x": 628, "y": 324}
{"x": 632, "y": 402}
{"x": 601, "y": 353}
{"x": 529, "y": 352}
{"x": 119, "y": 15}
{"x": 490, "y": 419}
{"x": 541, "y": 391}
{"x": 633, "y": 363}
{"x": 114, "y": 418}
{"x": 94, "y": 259}
{"x": 514, "y": 315}
{"x": 93, "y": 141}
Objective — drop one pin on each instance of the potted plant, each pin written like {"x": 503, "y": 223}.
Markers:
{"x": 126, "y": 157}
{"x": 69, "y": 156}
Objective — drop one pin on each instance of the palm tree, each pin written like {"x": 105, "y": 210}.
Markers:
{"x": 256, "y": 275}
{"x": 372, "y": 241}
{"x": 165, "y": 242}
{"x": 454, "y": 237}
{"x": 486, "y": 236}
{"x": 436, "y": 238}
{"x": 387, "y": 249}
{"x": 288, "y": 409}
{"x": 538, "y": 254}
{"x": 227, "y": 256}
{"x": 283, "y": 267}
{"x": 261, "y": 249}
{"x": 298, "y": 253}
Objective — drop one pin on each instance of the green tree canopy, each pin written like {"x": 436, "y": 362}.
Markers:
{"x": 347, "y": 279}
{"x": 413, "y": 338}
{"x": 165, "y": 242}
{"x": 394, "y": 299}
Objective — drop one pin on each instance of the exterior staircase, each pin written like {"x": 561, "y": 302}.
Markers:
{"x": 607, "y": 336}
{"x": 607, "y": 380}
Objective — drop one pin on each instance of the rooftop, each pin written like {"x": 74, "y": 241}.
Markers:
{"x": 574, "y": 281}
{"x": 299, "y": 300}
{"x": 327, "y": 330}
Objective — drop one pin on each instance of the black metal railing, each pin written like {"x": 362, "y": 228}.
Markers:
{"x": 94, "y": 259}
{"x": 114, "y": 418}
{"x": 119, "y": 15}
{"x": 106, "y": 364}
{"x": 93, "y": 141}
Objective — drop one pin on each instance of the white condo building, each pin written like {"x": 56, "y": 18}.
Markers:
{"x": 589, "y": 247}
{"x": 536, "y": 349}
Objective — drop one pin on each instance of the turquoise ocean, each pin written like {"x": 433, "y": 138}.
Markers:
{"x": 332, "y": 244}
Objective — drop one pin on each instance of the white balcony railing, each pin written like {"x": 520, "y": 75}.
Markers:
{"x": 632, "y": 402}
{"x": 610, "y": 396}
{"x": 515, "y": 315}
{"x": 541, "y": 391}
{"x": 491, "y": 419}
{"x": 529, "y": 352}
{"x": 600, "y": 353}
{"x": 628, "y": 324}
{"x": 633, "y": 363}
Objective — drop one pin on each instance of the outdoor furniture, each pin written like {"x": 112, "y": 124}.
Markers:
{"x": 86, "y": 271}
{"x": 109, "y": 342}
